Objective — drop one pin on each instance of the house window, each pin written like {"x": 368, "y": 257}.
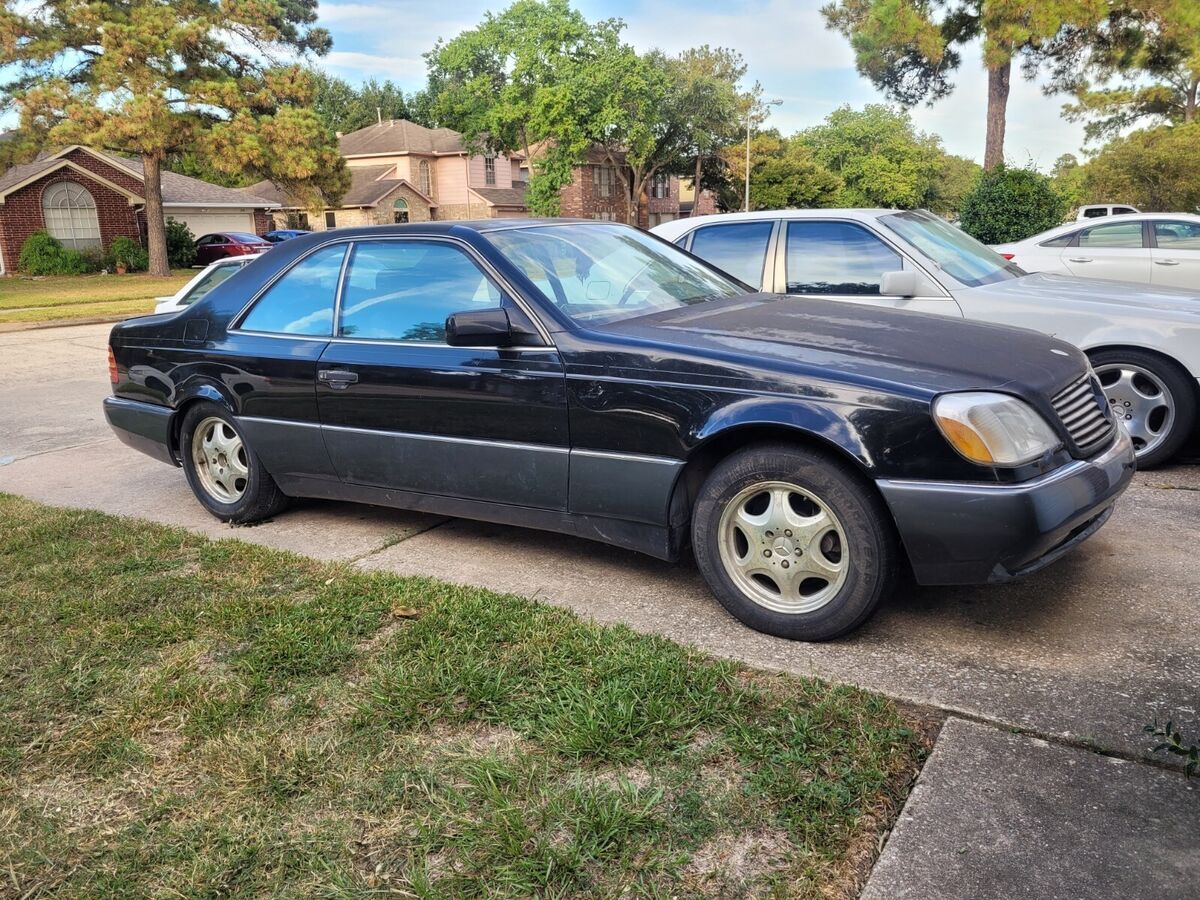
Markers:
{"x": 69, "y": 212}
{"x": 603, "y": 177}
{"x": 400, "y": 211}
{"x": 424, "y": 183}
{"x": 330, "y": 220}
{"x": 604, "y": 217}
{"x": 489, "y": 170}
{"x": 302, "y": 221}
{"x": 660, "y": 187}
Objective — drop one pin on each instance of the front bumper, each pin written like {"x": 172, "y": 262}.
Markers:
{"x": 143, "y": 426}
{"x": 963, "y": 533}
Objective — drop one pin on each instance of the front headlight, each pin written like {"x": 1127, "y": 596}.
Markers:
{"x": 993, "y": 429}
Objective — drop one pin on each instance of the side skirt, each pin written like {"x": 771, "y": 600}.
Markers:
{"x": 653, "y": 540}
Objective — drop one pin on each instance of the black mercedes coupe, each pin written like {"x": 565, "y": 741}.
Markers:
{"x": 589, "y": 378}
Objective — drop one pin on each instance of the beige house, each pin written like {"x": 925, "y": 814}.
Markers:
{"x": 404, "y": 172}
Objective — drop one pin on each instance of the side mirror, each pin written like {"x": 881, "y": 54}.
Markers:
{"x": 898, "y": 284}
{"x": 479, "y": 328}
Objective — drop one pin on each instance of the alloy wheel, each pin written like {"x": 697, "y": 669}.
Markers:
{"x": 220, "y": 458}
{"x": 783, "y": 547}
{"x": 1140, "y": 401}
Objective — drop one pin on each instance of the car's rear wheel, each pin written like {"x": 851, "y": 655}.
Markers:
{"x": 792, "y": 542}
{"x": 1152, "y": 397}
{"x": 223, "y": 471}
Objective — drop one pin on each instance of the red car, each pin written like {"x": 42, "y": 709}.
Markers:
{"x": 212, "y": 247}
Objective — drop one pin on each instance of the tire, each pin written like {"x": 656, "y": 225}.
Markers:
{"x": 215, "y": 472}
{"x": 855, "y": 556}
{"x": 1153, "y": 396}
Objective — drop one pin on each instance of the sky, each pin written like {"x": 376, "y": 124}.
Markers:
{"x": 784, "y": 42}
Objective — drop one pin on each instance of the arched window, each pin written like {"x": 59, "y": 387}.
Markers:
{"x": 69, "y": 212}
{"x": 400, "y": 211}
{"x": 424, "y": 183}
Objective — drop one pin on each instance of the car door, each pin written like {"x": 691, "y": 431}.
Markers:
{"x": 1175, "y": 255}
{"x": 204, "y": 249}
{"x": 402, "y": 410}
{"x": 842, "y": 260}
{"x": 1113, "y": 250}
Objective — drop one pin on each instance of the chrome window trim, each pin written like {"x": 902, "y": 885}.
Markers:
{"x": 506, "y": 289}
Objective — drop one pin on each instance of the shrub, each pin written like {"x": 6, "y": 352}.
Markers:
{"x": 181, "y": 245}
{"x": 126, "y": 252}
{"x": 43, "y": 255}
{"x": 1011, "y": 205}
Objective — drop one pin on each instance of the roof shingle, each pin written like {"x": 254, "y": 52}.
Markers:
{"x": 400, "y": 136}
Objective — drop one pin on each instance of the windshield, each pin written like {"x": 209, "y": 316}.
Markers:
{"x": 953, "y": 251}
{"x": 598, "y": 274}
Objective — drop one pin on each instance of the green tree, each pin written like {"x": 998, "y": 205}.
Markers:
{"x": 152, "y": 79}
{"x": 1011, "y": 204}
{"x": 1154, "y": 169}
{"x": 909, "y": 48}
{"x": 784, "y": 174}
{"x": 881, "y": 159}
{"x": 956, "y": 179}
{"x": 528, "y": 76}
{"x": 710, "y": 106}
{"x": 343, "y": 107}
{"x": 1068, "y": 176}
{"x": 1139, "y": 64}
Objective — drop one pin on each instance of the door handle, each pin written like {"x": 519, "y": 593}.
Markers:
{"x": 337, "y": 379}
{"x": 1166, "y": 262}
{"x": 1079, "y": 259}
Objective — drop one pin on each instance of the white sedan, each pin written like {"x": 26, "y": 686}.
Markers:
{"x": 1162, "y": 249}
{"x": 206, "y": 279}
{"x": 1144, "y": 342}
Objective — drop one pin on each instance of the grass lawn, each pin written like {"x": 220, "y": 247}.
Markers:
{"x": 24, "y": 299}
{"x": 180, "y": 716}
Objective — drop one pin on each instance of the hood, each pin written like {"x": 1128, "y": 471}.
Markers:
{"x": 866, "y": 345}
{"x": 1043, "y": 287}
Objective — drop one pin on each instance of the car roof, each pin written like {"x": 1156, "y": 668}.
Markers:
{"x": 676, "y": 227}
{"x": 1079, "y": 225}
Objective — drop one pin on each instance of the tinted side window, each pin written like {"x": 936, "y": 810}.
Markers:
{"x": 1095, "y": 213}
{"x": 1114, "y": 236}
{"x": 207, "y": 283}
{"x": 739, "y": 248}
{"x": 836, "y": 258}
{"x": 404, "y": 290}
{"x": 1177, "y": 235}
{"x": 1123, "y": 210}
{"x": 301, "y": 302}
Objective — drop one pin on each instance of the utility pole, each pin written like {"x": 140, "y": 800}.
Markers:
{"x": 749, "y": 128}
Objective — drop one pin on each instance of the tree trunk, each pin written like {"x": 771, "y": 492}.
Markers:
{"x": 997, "y": 110}
{"x": 156, "y": 228}
{"x": 1189, "y": 103}
{"x": 696, "y": 185}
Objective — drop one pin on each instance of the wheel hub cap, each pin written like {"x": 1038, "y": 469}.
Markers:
{"x": 783, "y": 547}
{"x": 1140, "y": 402}
{"x": 220, "y": 460}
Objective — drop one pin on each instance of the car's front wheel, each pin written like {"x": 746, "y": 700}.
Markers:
{"x": 792, "y": 542}
{"x": 1154, "y": 398}
{"x": 223, "y": 471}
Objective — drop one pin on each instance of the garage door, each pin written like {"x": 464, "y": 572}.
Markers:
{"x": 204, "y": 222}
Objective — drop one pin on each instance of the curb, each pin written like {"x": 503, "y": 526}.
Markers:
{"x": 9, "y": 327}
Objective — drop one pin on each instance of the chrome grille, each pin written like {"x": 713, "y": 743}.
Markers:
{"x": 1084, "y": 413}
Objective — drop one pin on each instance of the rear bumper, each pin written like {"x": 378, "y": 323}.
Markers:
{"x": 961, "y": 533}
{"x": 143, "y": 426}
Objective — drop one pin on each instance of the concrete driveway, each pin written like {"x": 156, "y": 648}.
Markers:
{"x": 1089, "y": 650}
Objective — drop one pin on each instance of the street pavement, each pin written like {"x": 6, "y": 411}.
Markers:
{"x": 1083, "y": 654}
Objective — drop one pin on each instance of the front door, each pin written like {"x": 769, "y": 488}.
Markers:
{"x": 1176, "y": 255}
{"x": 402, "y": 410}
{"x": 1114, "y": 250}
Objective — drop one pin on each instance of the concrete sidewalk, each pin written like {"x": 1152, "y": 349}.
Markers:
{"x": 998, "y": 815}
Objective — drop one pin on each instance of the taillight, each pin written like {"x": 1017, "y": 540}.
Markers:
{"x": 1008, "y": 255}
{"x": 113, "y": 375}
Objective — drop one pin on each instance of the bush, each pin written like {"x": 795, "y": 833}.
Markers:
{"x": 43, "y": 255}
{"x": 181, "y": 245}
{"x": 126, "y": 252}
{"x": 1011, "y": 205}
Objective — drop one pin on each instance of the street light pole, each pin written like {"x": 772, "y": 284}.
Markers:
{"x": 749, "y": 126}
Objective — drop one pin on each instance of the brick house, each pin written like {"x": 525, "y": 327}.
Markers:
{"x": 86, "y": 198}
{"x": 403, "y": 172}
